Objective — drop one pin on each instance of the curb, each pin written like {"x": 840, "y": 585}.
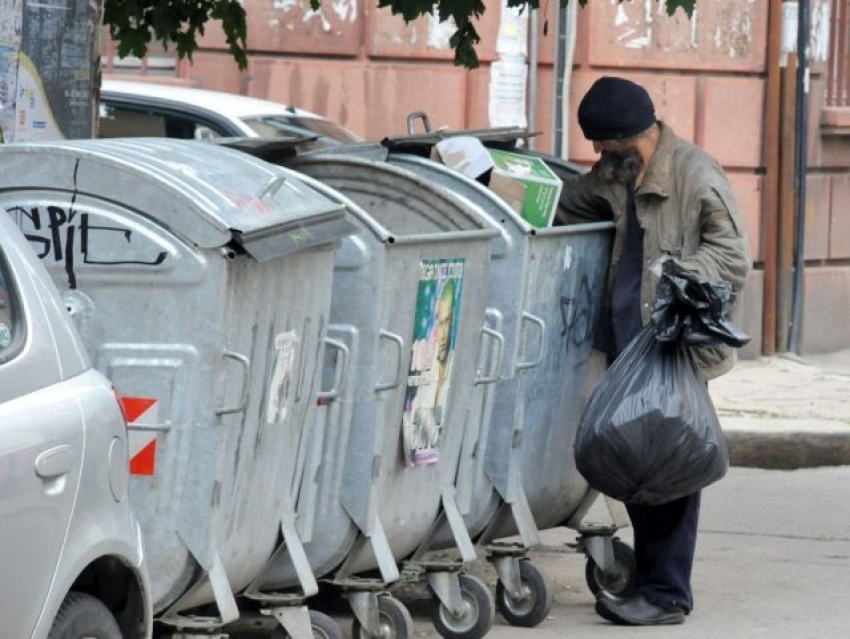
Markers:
{"x": 787, "y": 450}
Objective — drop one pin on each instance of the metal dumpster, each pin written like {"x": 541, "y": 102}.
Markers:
{"x": 408, "y": 302}
{"x": 517, "y": 473}
{"x": 201, "y": 282}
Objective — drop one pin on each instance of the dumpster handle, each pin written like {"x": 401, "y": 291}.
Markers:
{"x": 497, "y": 364}
{"x": 418, "y": 115}
{"x": 541, "y": 347}
{"x": 272, "y": 187}
{"x": 243, "y": 400}
{"x": 341, "y": 374}
{"x": 397, "y": 377}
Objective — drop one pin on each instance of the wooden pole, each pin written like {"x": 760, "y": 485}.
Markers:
{"x": 770, "y": 195}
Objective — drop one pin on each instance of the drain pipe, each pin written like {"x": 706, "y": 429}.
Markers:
{"x": 803, "y": 35}
{"x": 564, "y": 56}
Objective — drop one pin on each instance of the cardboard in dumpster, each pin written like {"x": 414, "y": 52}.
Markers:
{"x": 524, "y": 182}
{"x": 540, "y": 187}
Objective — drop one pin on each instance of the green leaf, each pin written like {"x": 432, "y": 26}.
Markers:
{"x": 133, "y": 24}
{"x": 687, "y": 6}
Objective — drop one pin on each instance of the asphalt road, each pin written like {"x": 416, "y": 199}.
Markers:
{"x": 773, "y": 560}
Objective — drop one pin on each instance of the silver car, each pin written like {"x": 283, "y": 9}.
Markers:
{"x": 70, "y": 546}
{"x": 140, "y": 109}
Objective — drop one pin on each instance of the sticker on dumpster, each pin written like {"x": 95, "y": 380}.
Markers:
{"x": 281, "y": 385}
{"x": 568, "y": 257}
{"x": 141, "y": 410}
{"x": 429, "y": 377}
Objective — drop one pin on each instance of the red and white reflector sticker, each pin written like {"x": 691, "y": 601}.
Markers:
{"x": 142, "y": 410}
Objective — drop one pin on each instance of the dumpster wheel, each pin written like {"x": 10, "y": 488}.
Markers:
{"x": 394, "y": 619}
{"x": 533, "y": 606}
{"x": 478, "y": 614}
{"x": 620, "y": 579}
{"x": 323, "y": 627}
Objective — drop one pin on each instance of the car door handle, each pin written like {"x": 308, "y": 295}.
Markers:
{"x": 54, "y": 462}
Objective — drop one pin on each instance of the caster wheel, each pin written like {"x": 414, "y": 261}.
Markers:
{"x": 477, "y": 617}
{"x": 323, "y": 627}
{"x": 532, "y": 607}
{"x": 620, "y": 579}
{"x": 394, "y": 618}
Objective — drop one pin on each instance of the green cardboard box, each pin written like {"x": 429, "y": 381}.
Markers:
{"x": 527, "y": 184}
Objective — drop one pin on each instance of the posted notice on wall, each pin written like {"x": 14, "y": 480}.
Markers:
{"x": 508, "y": 79}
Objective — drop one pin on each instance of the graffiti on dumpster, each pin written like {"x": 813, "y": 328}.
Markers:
{"x": 64, "y": 235}
{"x": 577, "y": 314}
{"x": 429, "y": 378}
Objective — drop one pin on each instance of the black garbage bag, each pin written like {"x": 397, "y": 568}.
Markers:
{"x": 649, "y": 433}
{"x": 693, "y": 310}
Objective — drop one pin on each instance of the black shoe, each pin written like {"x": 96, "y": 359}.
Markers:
{"x": 637, "y": 611}
{"x": 604, "y": 595}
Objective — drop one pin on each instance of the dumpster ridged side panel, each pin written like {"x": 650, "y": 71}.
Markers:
{"x": 409, "y": 498}
{"x": 335, "y": 500}
{"x": 380, "y": 310}
{"x": 280, "y": 325}
{"x": 153, "y": 350}
{"x": 567, "y": 273}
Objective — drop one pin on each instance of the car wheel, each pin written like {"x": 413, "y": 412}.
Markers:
{"x": 82, "y": 616}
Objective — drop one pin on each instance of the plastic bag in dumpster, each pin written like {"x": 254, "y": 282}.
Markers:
{"x": 649, "y": 433}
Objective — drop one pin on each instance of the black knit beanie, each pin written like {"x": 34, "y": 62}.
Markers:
{"x": 615, "y": 109}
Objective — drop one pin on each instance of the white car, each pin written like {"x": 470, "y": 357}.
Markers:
{"x": 70, "y": 545}
{"x": 140, "y": 109}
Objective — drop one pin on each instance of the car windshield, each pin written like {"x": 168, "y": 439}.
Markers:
{"x": 329, "y": 133}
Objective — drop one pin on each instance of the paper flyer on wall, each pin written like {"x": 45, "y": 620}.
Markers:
{"x": 429, "y": 378}
{"x": 47, "y": 68}
{"x": 11, "y": 16}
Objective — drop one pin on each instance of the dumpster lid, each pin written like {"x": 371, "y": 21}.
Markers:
{"x": 209, "y": 194}
{"x": 402, "y": 206}
{"x": 501, "y": 137}
{"x": 284, "y": 151}
{"x": 274, "y": 150}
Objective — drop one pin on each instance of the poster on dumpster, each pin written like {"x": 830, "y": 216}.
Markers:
{"x": 429, "y": 378}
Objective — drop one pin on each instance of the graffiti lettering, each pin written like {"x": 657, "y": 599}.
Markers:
{"x": 577, "y": 315}
{"x": 60, "y": 235}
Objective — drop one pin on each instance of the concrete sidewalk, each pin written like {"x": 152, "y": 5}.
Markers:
{"x": 786, "y": 411}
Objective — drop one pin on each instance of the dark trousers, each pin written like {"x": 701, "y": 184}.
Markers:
{"x": 665, "y": 540}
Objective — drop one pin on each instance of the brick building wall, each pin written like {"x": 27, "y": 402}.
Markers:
{"x": 708, "y": 77}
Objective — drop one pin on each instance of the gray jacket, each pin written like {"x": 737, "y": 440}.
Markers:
{"x": 687, "y": 210}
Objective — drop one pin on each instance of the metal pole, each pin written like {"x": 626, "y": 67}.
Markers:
{"x": 558, "y": 111}
{"x": 803, "y": 32}
{"x": 534, "y": 46}
{"x": 787, "y": 203}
